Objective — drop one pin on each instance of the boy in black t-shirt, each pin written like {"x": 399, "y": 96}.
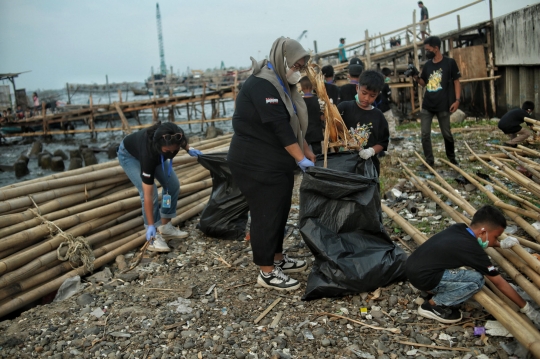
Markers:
{"x": 511, "y": 122}
{"x": 361, "y": 111}
{"x": 314, "y": 134}
{"x": 440, "y": 77}
{"x": 347, "y": 92}
{"x": 435, "y": 266}
{"x": 331, "y": 89}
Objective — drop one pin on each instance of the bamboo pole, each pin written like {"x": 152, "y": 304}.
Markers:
{"x": 30, "y": 236}
{"x": 458, "y": 217}
{"x": 457, "y": 197}
{"x": 184, "y": 205}
{"x": 28, "y": 201}
{"x": 518, "y": 177}
{"x": 516, "y": 218}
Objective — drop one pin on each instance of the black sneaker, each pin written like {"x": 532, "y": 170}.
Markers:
{"x": 276, "y": 279}
{"x": 514, "y": 145}
{"x": 290, "y": 265}
{"x": 439, "y": 313}
{"x": 454, "y": 162}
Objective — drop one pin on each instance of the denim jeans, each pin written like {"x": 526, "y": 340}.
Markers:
{"x": 456, "y": 286}
{"x": 426, "y": 117}
{"x": 132, "y": 167}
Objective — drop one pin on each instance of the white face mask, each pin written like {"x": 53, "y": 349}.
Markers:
{"x": 294, "y": 77}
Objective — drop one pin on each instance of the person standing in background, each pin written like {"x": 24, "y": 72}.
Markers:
{"x": 341, "y": 51}
{"x": 331, "y": 89}
{"x": 35, "y": 98}
{"x": 347, "y": 92}
{"x": 424, "y": 15}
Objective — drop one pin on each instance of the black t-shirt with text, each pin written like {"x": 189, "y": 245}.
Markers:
{"x": 347, "y": 92}
{"x": 450, "y": 249}
{"x": 314, "y": 131}
{"x": 261, "y": 129}
{"x": 512, "y": 120}
{"x": 439, "y": 82}
{"x": 352, "y": 114}
{"x": 138, "y": 145}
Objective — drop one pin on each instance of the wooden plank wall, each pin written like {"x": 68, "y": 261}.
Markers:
{"x": 518, "y": 84}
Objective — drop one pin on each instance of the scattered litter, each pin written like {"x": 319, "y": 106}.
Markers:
{"x": 478, "y": 331}
{"x": 307, "y": 334}
{"x": 444, "y": 336}
{"x": 536, "y": 225}
{"x": 344, "y": 311}
{"x": 147, "y": 323}
{"x": 182, "y": 305}
{"x": 496, "y": 329}
{"x": 412, "y": 352}
{"x": 223, "y": 311}
{"x": 363, "y": 310}
{"x": 98, "y": 313}
{"x": 209, "y": 291}
{"x": 120, "y": 335}
{"x": 361, "y": 354}
{"x": 511, "y": 229}
{"x": 70, "y": 287}
{"x": 490, "y": 188}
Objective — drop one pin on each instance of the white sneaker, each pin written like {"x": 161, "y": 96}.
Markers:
{"x": 159, "y": 245}
{"x": 168, "y": 231}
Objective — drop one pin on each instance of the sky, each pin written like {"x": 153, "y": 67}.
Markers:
{"x": 69, "y": 41}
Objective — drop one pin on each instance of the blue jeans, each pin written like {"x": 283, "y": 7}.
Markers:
{"x": 132, "y": 167}
{"x": 456, "y": 286}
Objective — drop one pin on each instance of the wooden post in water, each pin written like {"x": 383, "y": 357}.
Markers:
{"x": 235, "y": 87}
{"x": 416, "y": 62}
{"x": 91, "y": 124}
{"x": 119, "y": 95}
{"x": 188, "y": 115}
{"x": 125, "y": 124}
{"x": 368, "y": 54}
{"x": 108, "y": 91}
{"x": 45, "y": 121}
{"x": 68, "y": 94}
{"x": 203, "y": 116}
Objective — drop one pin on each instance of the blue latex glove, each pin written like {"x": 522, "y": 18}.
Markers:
{"x": 304, "y": 164}
{"x": 150, "y": 233}
{"x": 194, "y": 152}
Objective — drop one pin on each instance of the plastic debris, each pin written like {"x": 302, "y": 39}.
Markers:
{"x": 496, "y": 329}
{"x": 182, "y": 305}
{"x": 70, "y": 287}
{"x": 511, "y": 229}
{"x": 98, "y": 313}
{"x": 478, "y": 331}
{"x": 307, "y": 334}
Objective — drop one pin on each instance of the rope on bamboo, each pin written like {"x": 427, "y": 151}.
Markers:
{"x": 78, "y": 248}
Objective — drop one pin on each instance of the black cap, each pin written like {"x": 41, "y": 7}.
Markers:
{"x": 356, "y": 61}
{"x": 328, "y": 71}
{"x": 342, "y": 39}
{"x": 355, "y": 70}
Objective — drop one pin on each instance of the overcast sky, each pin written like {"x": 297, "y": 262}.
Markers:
{"x": 81, "y": 41}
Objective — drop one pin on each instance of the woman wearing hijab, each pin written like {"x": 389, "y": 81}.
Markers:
{"x": 148, "y": 154}
{"x": 270, "y": 121}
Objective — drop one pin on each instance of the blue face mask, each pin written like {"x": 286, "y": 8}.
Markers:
{"x": 483, "y": 244}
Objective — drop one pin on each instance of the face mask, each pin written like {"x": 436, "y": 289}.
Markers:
{"x": 356, "y": 98}
{"x": 430, "y": 55}
{"x": 294, "y": 77}
{"x": 483, "y": 244}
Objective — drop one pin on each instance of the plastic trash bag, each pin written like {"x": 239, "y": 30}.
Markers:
{"x": 341, "y": 222}
{"x": 70, "y": 287}
{"x": 226, "y": 214}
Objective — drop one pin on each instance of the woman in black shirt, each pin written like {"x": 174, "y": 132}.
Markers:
{"x": 148, "y": 154}
{"x": 270, "y": 122}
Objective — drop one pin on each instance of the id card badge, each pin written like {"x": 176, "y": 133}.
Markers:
{"x": 166, "y": 201}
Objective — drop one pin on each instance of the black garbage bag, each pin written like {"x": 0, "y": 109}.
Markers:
{"x": 226, "y": 214}
{"x": 341, "y": 222}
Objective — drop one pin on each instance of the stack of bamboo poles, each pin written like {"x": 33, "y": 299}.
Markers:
{"x": 517, "y": 262}
{"x": 43, "y": 220}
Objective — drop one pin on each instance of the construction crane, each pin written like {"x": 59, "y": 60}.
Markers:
{"x": 162, "y": 66}
{"x": 302, "y": 35}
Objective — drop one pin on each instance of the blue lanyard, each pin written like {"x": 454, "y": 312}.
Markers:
{"x": 471, "y": 232}
{"x": 354, "y": 82}
{"x": 168, "y": 173}
{"x": 282, "y": 85}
